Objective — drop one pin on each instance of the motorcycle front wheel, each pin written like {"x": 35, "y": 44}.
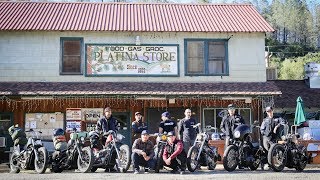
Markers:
{"x": 40, "y": 164}
{"x": 231, "y": 158}
{"x": 192, "y": 161}
{"x": 124, "y": 159}
{"x": 14, "y": 163}
{"x": 277, "y": 157}
{"x": 85, "y": 161}
{"x": 159, "y": 160}
{"x": 303, "y": 158}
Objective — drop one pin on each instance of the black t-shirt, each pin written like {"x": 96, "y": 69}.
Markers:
{"x": 168, "y": 125}
{"x": 186, "y": 130}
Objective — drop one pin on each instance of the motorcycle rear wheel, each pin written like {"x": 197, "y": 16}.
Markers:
{"x": 85, "y": 163}
{"x": 303, "y": 159}
{"x": 231, "y": 158}
{"x": 40, "y": 165}
{"x": 192, "y": 161}
{"x": 124, "y": 161}
{"x": 277, "y": 157}
{"x": 13, "y": 163}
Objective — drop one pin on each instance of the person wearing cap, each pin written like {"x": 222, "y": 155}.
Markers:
{"x": 174, "y": 155}
{"x": 269, "y": 127}
{"x": 142, "y": 153}
{"x": 138, "y": 126}
{"x": 167, "y": 125}
{"x": 230, "y": 122}
{"x": 187, "y": 133}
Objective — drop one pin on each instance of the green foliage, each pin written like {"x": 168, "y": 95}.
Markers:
{"x": 293, "y": 68}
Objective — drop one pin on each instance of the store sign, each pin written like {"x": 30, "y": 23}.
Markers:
{"x": 73, "y": 114}
{"x": 73, "y": 124}
{"x": 144, "y": 60}
{"x": 91, "y": 114}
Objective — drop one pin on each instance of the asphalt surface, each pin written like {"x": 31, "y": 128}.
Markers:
{"x": 311, "y": 172}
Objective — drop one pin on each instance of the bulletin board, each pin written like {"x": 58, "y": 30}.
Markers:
{"x": 45, "y": 122}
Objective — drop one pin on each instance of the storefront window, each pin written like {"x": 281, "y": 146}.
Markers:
{"x": 71, "y": 56}
{"x": 5, "y": 123}
{"x": 213, "y": 116}
{"x": 206, "y": 57}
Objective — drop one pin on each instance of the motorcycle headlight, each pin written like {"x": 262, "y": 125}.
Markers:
{"x": 237, "y": 134}
{"x": 120, "y": 137}
{"x": 163, "y": 137}
{"x": 38, "y": 142}
{"x": 199, "y": 137}
{"x": 82, "y": 139}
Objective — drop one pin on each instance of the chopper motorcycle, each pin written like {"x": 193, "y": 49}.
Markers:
{"x": 32, "y": 156}
{"x": 71, "y": 155}
{"x": 113, "y": 153}
{"x": 201, "y": 153}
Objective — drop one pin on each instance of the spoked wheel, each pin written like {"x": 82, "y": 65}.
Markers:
{"x": 231, "y": 158}
{"x": 14, "y": 168}
{"x": 85, "y": 160}
{"x": 277, "y": 157}
{"x": 192, "y": 159}
{"x": 124, "y": 159}
{"x": 40, "y": 164}
{"x": 303, "y": 158}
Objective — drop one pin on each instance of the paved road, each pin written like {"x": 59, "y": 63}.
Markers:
{"x": 312, "y": 173}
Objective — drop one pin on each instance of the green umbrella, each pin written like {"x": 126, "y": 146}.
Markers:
{"x": 299, "y": 116}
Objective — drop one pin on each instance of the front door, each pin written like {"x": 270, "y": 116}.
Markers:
{"x": 124, "y": 119}
{"x": 6, "y": 120}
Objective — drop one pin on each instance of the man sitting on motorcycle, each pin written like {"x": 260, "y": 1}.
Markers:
{"x": 230, "y": 122}
{"x": 18, "y": 136}
{"x": 174, "y": 156}
{"x": 104, "y": 125}
{"x": 142, "y": 153}
{"x": 270, "y": 128}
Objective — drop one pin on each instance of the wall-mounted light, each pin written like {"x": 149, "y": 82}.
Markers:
{"x": 138, "y": 41}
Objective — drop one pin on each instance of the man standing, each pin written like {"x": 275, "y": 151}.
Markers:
{"x": 174, "y": 155}
{"x": 230, "y": 122}
{"x": 142, "y": 153}
{"x": 167, "y": 124}
{"x": 187, "y": 133}
{"x": 269, "y": 128}
{"x": 138, "y": 126}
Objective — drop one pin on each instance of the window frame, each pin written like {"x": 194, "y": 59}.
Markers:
{"x": 62, "y": 39}
{"x": 206, "y": 57}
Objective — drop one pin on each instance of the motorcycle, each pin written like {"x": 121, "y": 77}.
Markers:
{"x": 74, "y": 156}
{"x": 33, "y": 156}
{"x": 161, "y": 141}
{"x": 112, "y": 154}
{"x": 201, "y": 153}
{"x": 242, "y": 151}
{"x": 288, "y": 153}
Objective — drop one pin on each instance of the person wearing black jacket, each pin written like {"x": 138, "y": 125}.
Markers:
{"x": 138, "y": 126}
{"x": 230, "y": 122}
{"x": 142, "y": 153}
{"x": 107, "y": 122}
{"x": 270, "y": 128}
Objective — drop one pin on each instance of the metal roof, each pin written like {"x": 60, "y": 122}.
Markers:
{"x": 137, "y": 17}
{"x": 137, "y": 88}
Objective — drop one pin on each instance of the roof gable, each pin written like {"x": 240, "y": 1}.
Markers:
{"x": 137, "y": 17}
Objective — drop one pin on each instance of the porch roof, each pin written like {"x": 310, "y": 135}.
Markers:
{"x": 138, "y": 88}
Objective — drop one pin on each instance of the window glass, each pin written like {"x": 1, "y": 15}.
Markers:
{"x": 71, "y": 56}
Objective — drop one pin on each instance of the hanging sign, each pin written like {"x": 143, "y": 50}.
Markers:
{"x": 132, "y": 60}
{"x": 73, "y": 114}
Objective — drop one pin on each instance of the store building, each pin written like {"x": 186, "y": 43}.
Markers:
{"x": 62, "y": 63}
